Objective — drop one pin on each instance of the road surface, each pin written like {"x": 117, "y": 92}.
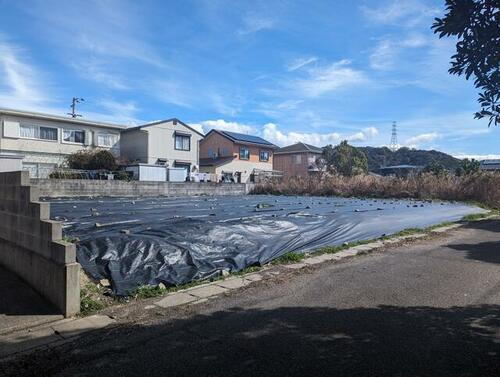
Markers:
{"x": 431, "y": 308}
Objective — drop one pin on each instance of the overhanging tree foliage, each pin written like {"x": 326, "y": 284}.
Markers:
{"x": 476, "y": 24}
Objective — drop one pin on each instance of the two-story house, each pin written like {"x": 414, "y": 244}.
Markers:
{"x": 297, "y": 160}
{"x": 46, "y": 140}
{"x": 170, "y": 143}
{"x": 235, "y": 157}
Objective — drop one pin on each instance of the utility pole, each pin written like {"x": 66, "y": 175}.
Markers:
{"x": 74, "y": 101}
{"x": 394, "y": 138}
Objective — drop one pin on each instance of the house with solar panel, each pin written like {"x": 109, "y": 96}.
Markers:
{"x": 236, "y": 157}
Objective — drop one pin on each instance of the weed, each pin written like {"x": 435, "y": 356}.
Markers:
{"x": 289, "y": 258}
{"x": 482, "y": 188}
{"x": 148, "y": 291}
{"x": 248, "y": 270}
{"x": 90, "y": 301}
{"x": 70, "y": 239}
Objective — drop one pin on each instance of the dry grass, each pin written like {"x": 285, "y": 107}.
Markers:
{"x": 481, "y": 187}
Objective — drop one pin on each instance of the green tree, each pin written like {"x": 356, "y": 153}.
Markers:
{"x": 468, "y": 167}
{"x": 476, "y": 24}
{"x": 435, "y": 168}
{"x": 345, "y": 159}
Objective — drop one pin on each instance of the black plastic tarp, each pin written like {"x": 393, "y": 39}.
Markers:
{"x": 134, "y": 242}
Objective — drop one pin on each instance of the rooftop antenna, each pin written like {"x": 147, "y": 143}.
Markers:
{"x": 394, "y": 138}
{"x": 74, "y": 101}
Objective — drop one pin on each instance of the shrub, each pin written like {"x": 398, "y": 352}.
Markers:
{"x": 79, "y": 160}
{"x": 102, "y": 160}
{"x": 92, "y": 160}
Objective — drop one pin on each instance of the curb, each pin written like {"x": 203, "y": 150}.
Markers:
{"x": 52, "y": 334}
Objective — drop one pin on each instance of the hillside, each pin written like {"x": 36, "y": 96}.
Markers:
{"x": 383, "y": 156}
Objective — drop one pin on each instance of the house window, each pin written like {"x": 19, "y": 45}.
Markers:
{"x": 264, "y": 155}
{"x": 182, "y": 142}
{"x": 31, "y": 131}
{"x": 106, "y": 140}
{"x": 244, "y": 153}
{"x": 297, "y": 158}
{"x": 74, "y": 136}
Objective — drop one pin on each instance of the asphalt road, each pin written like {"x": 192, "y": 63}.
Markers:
{"x": 427, "y": 309}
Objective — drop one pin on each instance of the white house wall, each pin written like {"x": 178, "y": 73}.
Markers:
{"x": 48, "y": 151}
{"x": 161, "y": 144}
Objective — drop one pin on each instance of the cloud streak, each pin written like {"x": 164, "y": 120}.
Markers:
{"x": 253, "y": 23}
{"x": 406, "y": 13}
{"x": 299, "y": 63}
{"x": 330, "y": 78}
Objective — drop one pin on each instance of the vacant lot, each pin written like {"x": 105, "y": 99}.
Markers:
{"x": 177, "y": 240}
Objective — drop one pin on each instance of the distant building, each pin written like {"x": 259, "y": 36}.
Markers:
{"x": 44, "y": 140}
{"x": 490, "y": 165}
{"x": 168, "y": 142}
{"x": 297, "y": 160}
{"x": 400, "y": 170}
{"x": 236, "y": 157}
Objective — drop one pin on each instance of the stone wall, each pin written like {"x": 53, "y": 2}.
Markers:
{"x": 31, "y": 244}
{"x": 80, "y": 187}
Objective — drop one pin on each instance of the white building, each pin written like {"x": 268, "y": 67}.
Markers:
{"x": 45, "y": 140}
{"x": 170, "y": 143}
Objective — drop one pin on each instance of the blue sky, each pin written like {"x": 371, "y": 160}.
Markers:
{"x": 288, "y": 70}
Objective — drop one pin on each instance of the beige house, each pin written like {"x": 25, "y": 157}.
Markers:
{"x": 45, "y": 140}
{"x": 236, "y": 157}
{"x": 170, "y": 143}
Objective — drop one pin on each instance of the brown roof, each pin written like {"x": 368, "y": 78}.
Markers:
{"x": 299, "y": 147}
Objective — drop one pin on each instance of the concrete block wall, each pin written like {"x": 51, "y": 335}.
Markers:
{"x": 31, "y": 244}
{"x": 81, "y": 187}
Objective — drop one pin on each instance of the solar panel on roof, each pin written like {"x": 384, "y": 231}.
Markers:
{"x": 247, "y": 138}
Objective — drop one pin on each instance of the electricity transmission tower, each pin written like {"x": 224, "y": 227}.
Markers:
{"x": 74, "y": 101}
{"x": 394, "y": 138}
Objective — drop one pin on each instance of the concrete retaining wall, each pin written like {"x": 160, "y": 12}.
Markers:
{"x": 31, "y": 244}
{"x": 81, "y": 187}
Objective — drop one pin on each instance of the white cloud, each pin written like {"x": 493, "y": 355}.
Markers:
{"x": 415, "y": 141}
{"x": 172, "y": 91}
{"x": 333, "y": 77}
{"x": 125, "y": 109}
{"x": 221, "y": 124}
{"x": 478, "y": 157}
{"x": 408, "y": 13}
{"x": 364, "y": 135}
{"x": 299, "y": 63}
{"x": 22, "y": 86}
{"x": 224, "y": 106}
{"x": 274, "y": 135}
{"x": 198, "y": 127}
{"x": 95, "y": 70}
{"x": 387, "y": 49}
{"x": 101, "y": 28}
{"x": 253, "y": 23}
